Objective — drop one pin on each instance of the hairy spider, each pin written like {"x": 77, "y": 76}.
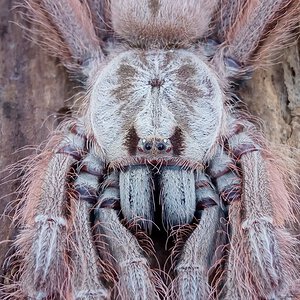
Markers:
{"x": 160, "y": 143}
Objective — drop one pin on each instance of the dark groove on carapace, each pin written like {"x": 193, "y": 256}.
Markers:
{"x": 131, "y": 141}
{"x": 177, "y": 141}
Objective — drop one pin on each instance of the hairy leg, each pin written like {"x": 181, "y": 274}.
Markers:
{"x": 135, "y": 279}
{"x": 197, "y": 256}
{"x": 50, "y": 220}
{"x": 261, "y": 251}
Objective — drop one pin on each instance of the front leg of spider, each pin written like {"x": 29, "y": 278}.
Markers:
{"x": 51, "y": 243}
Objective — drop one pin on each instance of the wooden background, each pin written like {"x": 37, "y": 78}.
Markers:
{"x": 34, "y": 91}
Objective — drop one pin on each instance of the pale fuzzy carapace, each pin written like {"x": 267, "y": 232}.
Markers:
{"x": 158, "y": 145}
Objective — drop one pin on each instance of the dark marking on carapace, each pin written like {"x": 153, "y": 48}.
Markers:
{"x": 190, "y": 91}
{"x": 177, "y": 141}
{"x": 185, "y": 72}
{"x": 154, "y": 6}
{"x": 126, "y": 75}
{"x": 187, "y": 84}
{"x": 131, "y": 141}
{"x": 156, "y": 82}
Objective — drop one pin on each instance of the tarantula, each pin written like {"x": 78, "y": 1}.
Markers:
{"x": 159, "y": 143}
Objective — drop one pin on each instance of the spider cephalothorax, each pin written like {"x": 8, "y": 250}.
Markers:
{"x": 145, "y": 99}
{"x": 159, "y": 140}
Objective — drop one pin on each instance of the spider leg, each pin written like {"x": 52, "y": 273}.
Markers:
{"x": 135, "y": 279}
{"x": 197, "y": 256}
{"x": 83, "y": 253}
{"x": 50, "y": 222}
{"x": 66, "y": 28}
{"x": 261, "y": 251}
{"x": 201, "y": 251}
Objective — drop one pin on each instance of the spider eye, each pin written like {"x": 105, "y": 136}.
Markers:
{"x": 161, "y": 146}
{"x": 148, "y": 146}
{"x": 155, "y": 144}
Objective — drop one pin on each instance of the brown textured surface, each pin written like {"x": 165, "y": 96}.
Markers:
{"x": 274, "y": 96}
{"x": 33, "y": 90}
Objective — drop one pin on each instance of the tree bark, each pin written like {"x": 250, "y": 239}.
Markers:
{"x": 34, "y": 90}
{"x": 273, "y": 95}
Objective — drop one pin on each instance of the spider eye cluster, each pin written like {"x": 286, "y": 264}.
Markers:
{"x": 154, "y": 145}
